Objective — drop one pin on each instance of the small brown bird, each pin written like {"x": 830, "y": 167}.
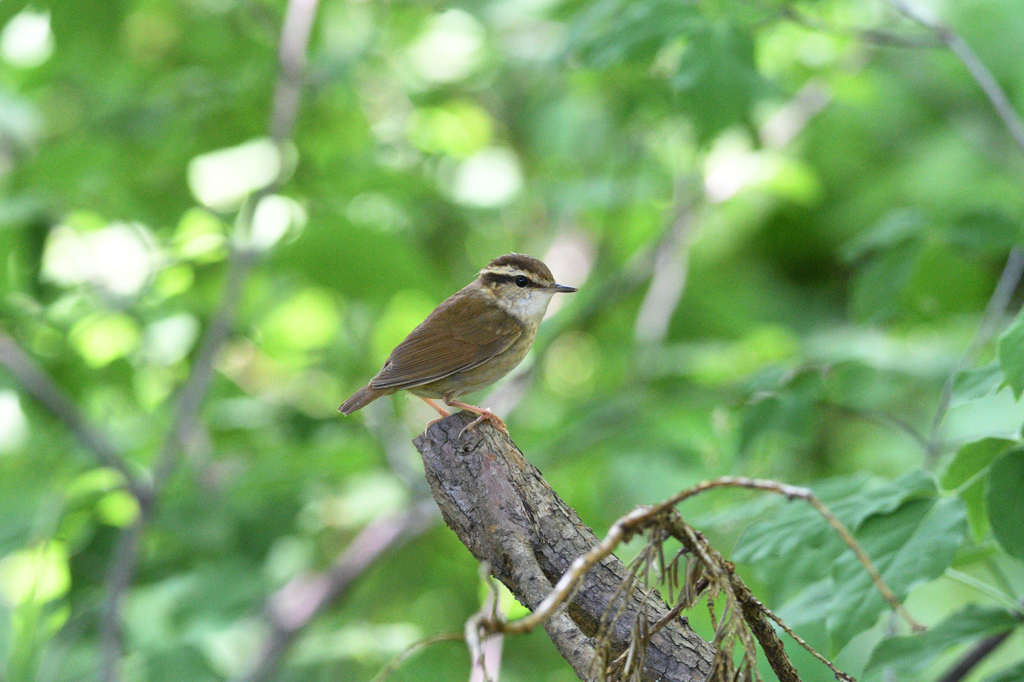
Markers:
{"x": 476, "y": 336}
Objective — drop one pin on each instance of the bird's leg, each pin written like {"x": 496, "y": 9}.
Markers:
{"x": 440, "y": 410}
{"x": 482, "y": 411}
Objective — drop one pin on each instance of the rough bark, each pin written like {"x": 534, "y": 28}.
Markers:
{"x": 507, "y": 515}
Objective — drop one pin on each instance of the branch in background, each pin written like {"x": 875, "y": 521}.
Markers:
{"x": 981, "y": 650}
{"x": 791, "y": 120}
{"x": 126, "y": 556}
{"x": 293, "y": 606}
{"x": 671, "y": 255}
{"x": 882, "y": 418}
{"x": 193, "y": 393}
{"x": 119, "y": 577}
{"x": 990, "y": 322}
{"x": 34, "y": 379}
{"x": 865, "y": 35}
{"x": 415, "y": 648}
{"x": 298, "y": 22}
{"x": 975, "y": 656}
{"x": 1014, "y": 268}
{"x": 979, "y": 72}
{"x": 503, "y": 511}
{"x": 668, "y": 279}
{"x": 295, "y": 33}
{"x": 485, "y": 653}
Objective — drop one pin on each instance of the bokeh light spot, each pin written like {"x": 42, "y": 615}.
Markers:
{"x": 222, "y": 179}
{"x": 200, "y": 236}
{"x": 13, "y": 424}
{"x": 570, "y": 364}
{"x": 102, "y": 338}
{"x": 119, "y": 258}
{"x": 488, "y": 179}
{"x": 36, "y": 575}
{"x": 169, "y": 340}
{"x": 449, "y": 49}
{"x": 26, "y": 40}
{"x": 459, "y": 129}
{"x": 308, "y": 320}
{"x": 274, "y": 217}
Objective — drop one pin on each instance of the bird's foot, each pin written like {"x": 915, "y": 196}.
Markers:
{"x": 485, "y": 415}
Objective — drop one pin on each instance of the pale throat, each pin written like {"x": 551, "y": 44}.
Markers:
{"x": 528, "y": 309}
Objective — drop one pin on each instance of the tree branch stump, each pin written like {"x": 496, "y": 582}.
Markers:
{"x": 507, "y": 515}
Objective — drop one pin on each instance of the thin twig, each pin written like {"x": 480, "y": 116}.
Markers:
{"x": 485, "y": 652}
{"x": 638, "y": 519}
{"x": 989, "y": 326}
{"x": 292, "y": 56}
{"x": 125, "y": 556}
{"x": 981, "y": 650}
{"x": 882, "y": 418}
{"x": 193, "y": 393}
{"x": 975, "y": 656}
{"x": 621, "y": 530}
{"x": 670, "y": 269}
{"x": 415, "y": 648}
{"x": 805, "y": 494}
{"x": 979, "y": 72}
{"x": 800, "y": 640}
{"x": 871, "y": 36}
{"x": 38, "y": 383}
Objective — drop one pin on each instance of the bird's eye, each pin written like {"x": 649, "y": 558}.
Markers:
{"x": 521, "y": 281}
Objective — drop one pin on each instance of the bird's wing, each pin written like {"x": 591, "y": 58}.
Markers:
{"x": 462, "y": 333}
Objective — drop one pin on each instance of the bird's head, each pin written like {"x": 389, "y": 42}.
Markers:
{"x": 521, "y": 285}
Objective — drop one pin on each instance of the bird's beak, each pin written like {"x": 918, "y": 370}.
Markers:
{"x": 562, "y": 289}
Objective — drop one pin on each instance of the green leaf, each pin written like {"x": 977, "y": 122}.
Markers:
{"x": 1005, "y": 501}
{"x": 1015, "y": 673}
{"x": 614, "y": 31}
{"x": 879, "y": 286}
{"x": 787, "y": 404}
{"x": 804, "y": 609}
{"x": 910, "y": 546}
{"x": 1010, "y": 350}
{"x": 974, "y": 499}
{"x": 973, "y": 384}
{"x": 894, "y": 229}
{"x": 798, "y": 526}
{"x": 971, "y": 459}
{"x": 911, "y": 655}
{"x": 985, "y": 231}
{"x": 717, "y": 78}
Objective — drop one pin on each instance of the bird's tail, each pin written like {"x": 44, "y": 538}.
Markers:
{"x": 361, "y": 398}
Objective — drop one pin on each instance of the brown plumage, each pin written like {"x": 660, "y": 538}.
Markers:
{"x": 472, "y": 339}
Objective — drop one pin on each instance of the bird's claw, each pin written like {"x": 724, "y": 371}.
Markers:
{"x": 485, "y": 415}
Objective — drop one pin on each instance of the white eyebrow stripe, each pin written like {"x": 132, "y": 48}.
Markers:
{"x": 503, "y": 270}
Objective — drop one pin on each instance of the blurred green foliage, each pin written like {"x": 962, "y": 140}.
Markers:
{"x": 785, "y": 237}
